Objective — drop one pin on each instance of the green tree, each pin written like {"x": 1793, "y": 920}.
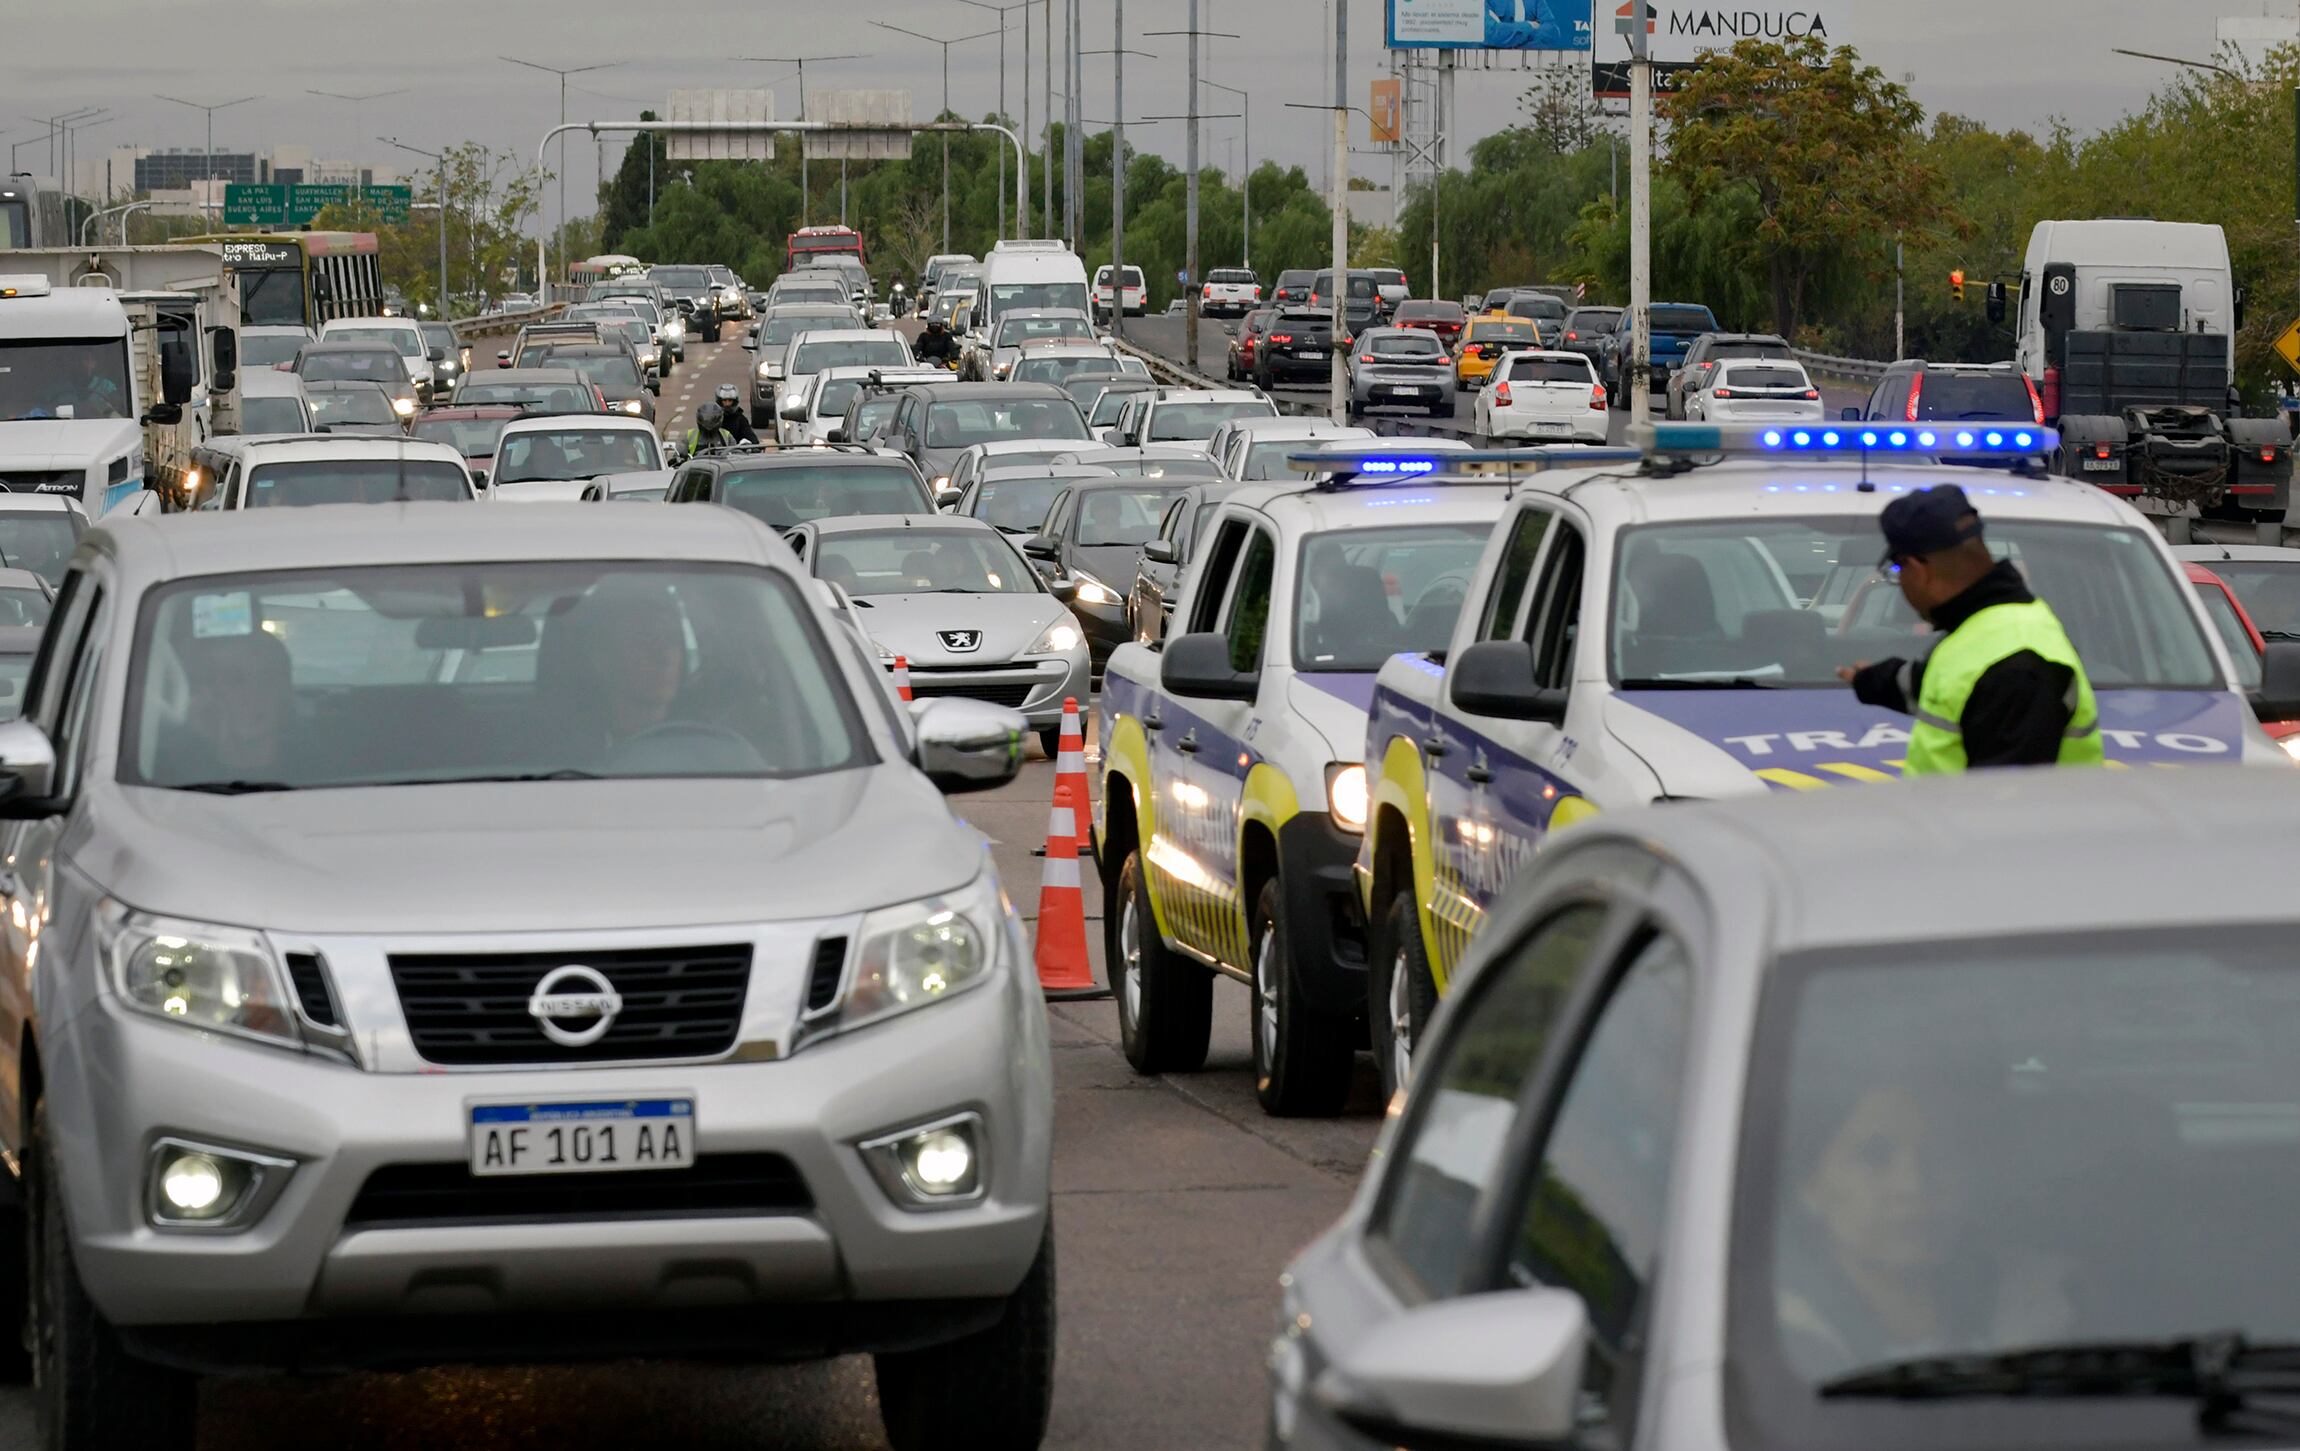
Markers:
{"x": 1826, "y": 146}
{"x": 490, "y": 197}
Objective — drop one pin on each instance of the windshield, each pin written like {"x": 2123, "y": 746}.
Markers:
{"x": 2229, "y": 626}
{"x": 22, "y": 608}
{"x": 43, "y": 377}
{"x": 15, "y": 231}
{"x": 1158, "y": 466}
{"x": 1682, "y": 320}
{"x": 801, "y": 493}
{"x": 681, "y": 279}
{"x": 2270, "y": 590}
{"x": 543, "y": 397}
{"x": 1755, "y": 598}
{"x": 1121, "y": 515}
{"x": 1550, "y": 370}
{"x": 781, "y": 327}
{"x": 869, "y": 414}
{"x": 1952, "y": 396}
{"x": 271, "y": 415}
{"x": 1409, "y": 345}
{"x": 858, "y": 353}
{"x": 41, "y": 542}
{"x": 265, "y": 350}
{"x": 1763, "y": 375}
{"x": 471, "y": 437}
{"x": 271, "y": 296}
{"x": 1055, "y": 367}
{"x": 832, "y": 399}
{"x": 356, "y": 365}
{"x": 1503, "y": 332}
{"x": 1107, "y": 404}
{"x": 353, "y": 481}
{"x": 1021, "y": 329}
{"x": 963, "y": 422}
{"x": 1540, "y": 305}
{"x": 15, "y": 669}
{"x": 1006, "y": 297}
{"x": 414, "y": 673}
{"x": 1192, "y": 422}
{"x": 574, "y": 453}
{"x": 1364, "y": 595}
{"x": 1970, "y": 1146}
{"x": 915, "y": 561}
{"x": 609, "y": 370}
{"x": 404, "y": 341}
{"x": 439, "y": 335}
{"x": 1266, "y": 458}
{"x": 1017, "y": 506}
{"x": 331, "y": 406}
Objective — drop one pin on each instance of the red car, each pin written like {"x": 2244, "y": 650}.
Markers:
{"x": 1249, "y": 334}
{"x": 2244, "y": 641}
{"x": 1443, "y": 318}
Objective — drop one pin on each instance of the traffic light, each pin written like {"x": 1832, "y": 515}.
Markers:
{"x": 1957, "y": 283}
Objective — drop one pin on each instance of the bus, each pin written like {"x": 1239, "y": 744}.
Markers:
{"x": 822, "y": 242}
{"x": 34, "y": 212}
{"x": 302, "y": 279}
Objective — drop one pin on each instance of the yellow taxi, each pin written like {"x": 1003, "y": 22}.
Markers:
{"x": 1486, "y": 338}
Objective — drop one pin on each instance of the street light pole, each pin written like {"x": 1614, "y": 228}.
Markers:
{"x": 806, "y": 190}
{"x": 358, "y": 127}
{"x": 441, "y": 160}
{"x": 1046, "y": 171}
{"x": 1246, "y": 174}
{"x": 1637, "y": 375}
{"x": 1339, "y": 401}
{"x": 946, "y": 45}
{"x": 210, "y": 165}
{"x": 543, "y": 284}
{"x": 1000, "y": 11}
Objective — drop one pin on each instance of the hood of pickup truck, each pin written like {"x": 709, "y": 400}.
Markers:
{"x": 535, "y": 855}
{"x": 1334, "y": 703}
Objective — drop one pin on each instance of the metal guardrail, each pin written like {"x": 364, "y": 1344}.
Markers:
{"x": 1858, "y": 370}
{"x": 1165, "y": 369}
{"x": 497, "y": 324}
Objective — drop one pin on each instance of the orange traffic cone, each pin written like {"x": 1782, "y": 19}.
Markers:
{"x": 1063, "y": 968}
{"x": 1070, "y": 771}
{"x": 902, "y": 676}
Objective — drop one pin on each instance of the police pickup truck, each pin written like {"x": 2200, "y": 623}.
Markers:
{"x": 1233, "y": 794}
{"x": 1671, "y": 630}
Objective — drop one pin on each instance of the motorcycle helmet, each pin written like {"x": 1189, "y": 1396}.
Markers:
{"x": 708, "y": 417}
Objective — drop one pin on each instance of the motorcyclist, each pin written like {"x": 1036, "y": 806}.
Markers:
{"x": 731, "y": 414}
{"x": 709, "y": 430}
{"x": 936, "y": 345}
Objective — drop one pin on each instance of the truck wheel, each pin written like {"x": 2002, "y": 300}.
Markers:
{"x": 88, "y": 1391}
{"x": 992, "y": 1388}
{"x": 1400, "y": 992}
{"x": 1302, "y": 1059}
{"x": 1165, "y": 1001}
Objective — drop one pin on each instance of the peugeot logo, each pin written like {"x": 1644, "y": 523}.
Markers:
{"x": 575, "y": 992}
{"x": 960, "y": 641}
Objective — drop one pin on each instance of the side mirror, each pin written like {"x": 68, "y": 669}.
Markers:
{"x": 1064, "y": 590}
{"x": 837, "y": 435}
{"x": 1851, "y": 415}
{"x": 1160, "y": 551}
{"x": 1996, "y": 307}
{"x": 1199, "y": 665}
{"x": 1038, "y": 546}
{"x": 750, "y": 342}
{"x": 968, "y": 745}
{"x": 178, "y": 371}
{"x": 439, "y": 355}
{"x": 27, "y": 771}
{"x": 1113, "y": 438}
{"x": 224, "y": 351}
{"x": 479, "y": 478}
{"x": 1499, "y": 1370}
{"x": 167, "y": 415}
{"x": 1495, "y": 677}
{"x": 224, "y": 381}
{"x": 793, "y": 412}
{"x": 946, "y": 500}
{"x": 2278, "y": 696}
{"x": 655, "y": 383}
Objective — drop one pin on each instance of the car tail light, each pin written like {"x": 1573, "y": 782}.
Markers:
{"x": 2100, "y": 450}
{"x": 1812, "y": 392}
{"x": 1501, "y": 395}
{"x": 1916, "y": 391}
{"x": 2268, "y": 455}
{"x": 1365, "y": 357}
{"x": 1281, "y": 337}
{"x": 2035, "y": 404}
{"x": 1720, "y": 392}
{"x": 2051, "y": 392}
{"x": 1597, "y": 398}
{"x": 1573, "y": 337}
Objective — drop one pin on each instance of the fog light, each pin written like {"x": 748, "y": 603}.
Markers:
{"x": 934, "y": 1165}
{"x": 193, "y": 1185}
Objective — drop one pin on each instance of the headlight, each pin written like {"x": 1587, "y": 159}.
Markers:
{"x": 1063, "y": 635}
{"x": 674, "y": 329}
{"x": 2291, "y": 745}
{"x": 922, "y": 952}
{"x": 633, "y": 407}
{"x": 404, "y": 407}
{"x": 1346, "y": 795}
{"x": 1095, "y": 592}
{"x": 201, "y": 975}
{"x": 764, "y": 375}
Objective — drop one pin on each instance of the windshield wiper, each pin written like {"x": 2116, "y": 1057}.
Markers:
{"x": 2280, "y": 634}
{"x": 1709, "y": 682}
{"x": 562, "y": 773}
{"x": 231, "y": 788}
{"x": 2219, "y": 1371}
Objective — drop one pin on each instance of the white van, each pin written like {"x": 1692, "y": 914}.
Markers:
{"x": 1137, "y": 291}
{"x": 1029, "y": 274}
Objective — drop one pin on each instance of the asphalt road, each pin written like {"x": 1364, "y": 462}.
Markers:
{"x": 1177, "y": 1203}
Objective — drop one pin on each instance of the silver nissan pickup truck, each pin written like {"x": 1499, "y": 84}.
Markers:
{"x": 437, "y": 934}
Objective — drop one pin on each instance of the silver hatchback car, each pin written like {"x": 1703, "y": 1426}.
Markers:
{"x": 437, "y": 935}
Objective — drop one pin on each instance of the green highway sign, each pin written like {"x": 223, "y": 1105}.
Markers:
{"x": 277, "y": 204}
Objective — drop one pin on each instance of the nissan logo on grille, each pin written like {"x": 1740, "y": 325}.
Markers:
{"x": 571, "y": 994}
{"x": 958, "y": 642}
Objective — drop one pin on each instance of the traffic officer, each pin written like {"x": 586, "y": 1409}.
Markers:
{"x": 2003, "y": 686}
{"x": 708, "y": 431}
{"x": 731, "y": 414}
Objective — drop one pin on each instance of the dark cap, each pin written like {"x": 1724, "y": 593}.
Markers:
{"x": 1927, "y": 522}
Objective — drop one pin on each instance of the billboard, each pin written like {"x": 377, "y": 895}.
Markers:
{"x": 890, "y": 109}
{"x": 1488, "y": 24}
{"x": 1382, "y": 109}
{"x": 718, "y": 107}
{"x": 1678, "y": 32}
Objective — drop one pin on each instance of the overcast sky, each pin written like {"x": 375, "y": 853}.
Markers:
{"x": 2005, "y": 63}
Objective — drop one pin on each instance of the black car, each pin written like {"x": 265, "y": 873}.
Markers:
{"x": 1916, "y": 391}
{"x": 1587, "y": 330}
{"x": 1093, "y": 536}
{"x": 610, "y": 366}
{"x": 1158, "y": 570}
{"x": 696, "y": 295}
{"x": 1015, "y": 498}
{"x": 1362, "y": 305}
{"x": 1706, "y": 351}
{"x": 785, "y": 488}
{"x": 1298, "y": 348}
{"x": 1292, "y": 287}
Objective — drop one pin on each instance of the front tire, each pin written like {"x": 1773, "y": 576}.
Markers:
{"x": 1302, "y": 1059}
{"x": 993, "y": 1388}
{"x": 88, "y": 1391}
{"x": 1400, "y": 993}
{"x": 1165, "y": 1001}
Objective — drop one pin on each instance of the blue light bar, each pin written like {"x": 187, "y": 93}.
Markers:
{"x": 2003, "y": 441}
{"x": 1414, "y": 458}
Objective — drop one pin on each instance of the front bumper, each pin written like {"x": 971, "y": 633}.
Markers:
{"x": 321, "y": 1253}
{"x": 1325, "y": 924}
{"x": 1035, "y": 686}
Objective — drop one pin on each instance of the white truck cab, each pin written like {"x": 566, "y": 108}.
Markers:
{"x": 70, "y": 398}
{"x": 1233, "y": 792}
{"x": 1672, "y": 631}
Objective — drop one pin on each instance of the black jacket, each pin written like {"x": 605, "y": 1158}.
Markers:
{"x": 734, "y": 422}
{"x": 933, "y": 347}
{"x": 2019, "y": 707}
